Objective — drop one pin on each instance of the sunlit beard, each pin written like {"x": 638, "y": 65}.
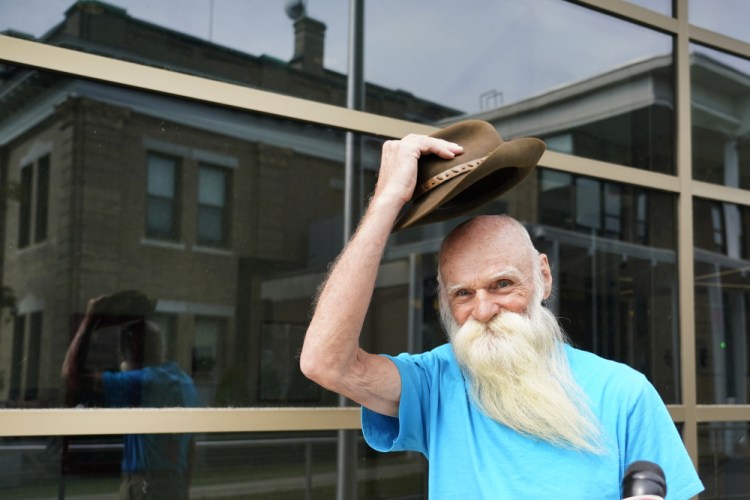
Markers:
{"x": 519, "y": 375}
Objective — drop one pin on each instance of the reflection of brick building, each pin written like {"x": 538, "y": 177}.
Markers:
{"x": 108, "y": 188}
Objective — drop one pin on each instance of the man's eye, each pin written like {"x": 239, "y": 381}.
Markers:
{"x": 461, "y": 294}
{"x": 503, "y": 283}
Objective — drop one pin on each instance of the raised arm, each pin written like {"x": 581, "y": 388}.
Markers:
{"x": 331, "y": 355}
{"x": 77, "y": 379}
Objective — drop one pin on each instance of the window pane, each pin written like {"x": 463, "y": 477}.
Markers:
{"x": 16, "y": 362}
{"x": 212, "y": 210}
{"x": 720, "y": 96}
{"x": 726, "y": 17}
{"x": 588, "y": 203}
{"x": 212, "y": 187}
{"x": 160, "y": 219}
{"x": 33, "y": 365}
{"x": 162, "y": 174}
{"x": 42, "y": 199}
{"x": 24, "y": 207}
{"x": 608, "y": 84}
{"x": 140, "y": 226}
{"x": 722, "y": 301}
{"x": 162, "y": 205}
{"x": 210, "y": 226}
{"x": 284, "y": 466}
{"x": 207, "y": 359}
{"x": 254, "y": 44}
{"x": 724, "y": 459}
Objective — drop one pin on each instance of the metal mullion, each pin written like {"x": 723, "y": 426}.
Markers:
{"x": 719, "y": 41}
{"x": 721, "y": 193}
{"x": 106, "y": 69}
{"x": 677, "y": 412}
{"x": 609, "y": 171}
{"x": 66, "y": 422}
{"x": 634, "y": 13}
{"x": 685, "y": 241}
{"x": 723, "y": 413}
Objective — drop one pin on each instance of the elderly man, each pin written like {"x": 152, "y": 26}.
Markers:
{"x": 507, "y": 409}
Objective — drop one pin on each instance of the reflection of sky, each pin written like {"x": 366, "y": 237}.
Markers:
{"x": 457, "y": 51}
{"x": 660, "y": 6}
{"x": 442, "y": 50}
{"x": 728, "y": 17}
{"x": 737, "y": 63}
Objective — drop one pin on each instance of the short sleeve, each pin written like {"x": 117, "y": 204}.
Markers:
{"x": 409, "y": 430}
{"x": 652, "y": 436}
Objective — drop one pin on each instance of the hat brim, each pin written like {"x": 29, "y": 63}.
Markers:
{"x": 502, "y": 170}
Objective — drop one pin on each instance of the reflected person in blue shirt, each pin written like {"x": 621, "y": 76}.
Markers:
{"x": 153, "y": 465}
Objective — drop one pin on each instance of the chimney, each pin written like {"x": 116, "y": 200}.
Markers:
{"x": 309, "y": 37}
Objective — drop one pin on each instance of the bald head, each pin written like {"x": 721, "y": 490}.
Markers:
{"x": 501, "y": 230}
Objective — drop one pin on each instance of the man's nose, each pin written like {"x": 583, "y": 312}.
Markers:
{"x": 486, "y": 307}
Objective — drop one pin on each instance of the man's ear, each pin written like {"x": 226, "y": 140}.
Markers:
{"x": 546, "y": 275}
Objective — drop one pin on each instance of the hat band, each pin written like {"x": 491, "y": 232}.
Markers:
{"x": 443, "y": 176}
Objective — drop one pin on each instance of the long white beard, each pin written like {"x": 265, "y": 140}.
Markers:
{"x": 520, "y": 377}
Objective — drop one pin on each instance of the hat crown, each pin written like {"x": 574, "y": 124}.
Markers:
{"x": 478, "y": 138}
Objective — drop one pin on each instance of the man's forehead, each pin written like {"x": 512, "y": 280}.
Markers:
{"x": 493, "y": 247}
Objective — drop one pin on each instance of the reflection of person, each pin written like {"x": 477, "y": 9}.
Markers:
{"x": 507, "y": 409}
{"x": 154, "y": 466}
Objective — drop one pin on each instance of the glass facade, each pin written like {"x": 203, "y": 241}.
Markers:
{"x": 721, "y": 94}
{"x": 233, "y": 465}
{"x": 704, "y": 14}
{"x": 724, "y": 459}
{"x": 203, "y": 166}
{"x": 722, "y": 295}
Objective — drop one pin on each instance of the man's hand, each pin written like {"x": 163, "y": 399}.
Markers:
{"x": 398, "y": 166}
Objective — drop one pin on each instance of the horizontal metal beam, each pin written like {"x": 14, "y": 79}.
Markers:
{"x": 65, "y": 422}
{"x": 106, "y": 69}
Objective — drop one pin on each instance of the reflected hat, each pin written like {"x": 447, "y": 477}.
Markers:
{"x": 488, "y": 167}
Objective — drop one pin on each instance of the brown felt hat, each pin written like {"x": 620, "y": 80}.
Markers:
{"x": 488, "y": 167}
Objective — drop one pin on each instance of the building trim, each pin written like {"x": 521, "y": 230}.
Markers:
{"x": 99, "y": 68}
{"x": 79, "y": 422}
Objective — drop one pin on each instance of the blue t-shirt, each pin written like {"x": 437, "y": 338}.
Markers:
{"x": 474, "y": 457}
{"x": 161, "y": 386}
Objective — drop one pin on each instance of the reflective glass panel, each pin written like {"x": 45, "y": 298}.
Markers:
{"x": 660, "y": 6}
{"x": 611, "y": 248}
{"x": 161, "y": 252}
{"x": 722, "y": 301}
{"x": 257, "y": 466}
{"x": 605, "y": 92}
{"x": 720, "y": 90}
{"x": 589, "y": 83}
{"x": 724, "y": 459}
{"x": 726, "y": 17}
{"x": 295, "y": 48}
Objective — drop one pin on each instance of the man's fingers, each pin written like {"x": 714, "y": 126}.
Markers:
{"x": 398, "y": 167}
{"x": 440, "y": 147}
